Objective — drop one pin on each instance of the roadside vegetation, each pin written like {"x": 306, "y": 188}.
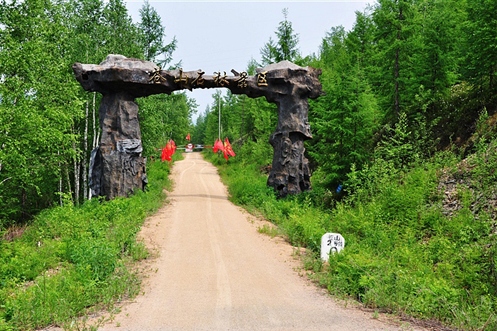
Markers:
{"x": 421, "y": 241}
{"x": 72, "y": 260}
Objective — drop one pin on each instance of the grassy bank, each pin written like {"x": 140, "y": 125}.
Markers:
{"x": 69, "y": 258}
{"x": 420, "y": 241}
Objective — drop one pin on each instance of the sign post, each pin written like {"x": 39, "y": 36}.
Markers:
{"x": 331, "y": 243}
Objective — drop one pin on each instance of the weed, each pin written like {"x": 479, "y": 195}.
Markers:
{"x": 271, "y": 231}
{"x": 72, "y": 258}
{"x": 312, "y": 262}
{"x": 406, "y": 252}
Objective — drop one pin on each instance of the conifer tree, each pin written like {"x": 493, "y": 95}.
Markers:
{"x": 392, "y": 36}
{"x": 438, "y": 29}
{"x": 286, "y": 45}
{"x": 344, "y": 119}
{"x": 480, "y": 51}
{"x": 153, "y": 36}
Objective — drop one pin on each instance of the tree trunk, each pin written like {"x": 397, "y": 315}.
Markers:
{"x": 68, "y": 179}
{"x": 85, "y": 153}
{"x": 76, "y": 175}
{"x": 60, "y": 180}
{"x": 397, "y": 65}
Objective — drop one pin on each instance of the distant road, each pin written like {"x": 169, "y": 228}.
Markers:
{"x": 214, "y": 271}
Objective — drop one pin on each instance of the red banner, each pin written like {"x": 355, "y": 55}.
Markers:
{"x": 228, "y": 150}
{"x": 218, "y": 146}
{"x": 168, "y": 151}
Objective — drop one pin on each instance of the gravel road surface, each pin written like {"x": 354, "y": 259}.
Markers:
{"x": 213, "y": 270}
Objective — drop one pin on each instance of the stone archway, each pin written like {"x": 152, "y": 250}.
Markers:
{"x": 117, "y": 166}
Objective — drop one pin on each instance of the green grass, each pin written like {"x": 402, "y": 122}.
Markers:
{"x": 268, "y": 230}
{"x": 72, "y": 259}
{"x": 404, "y": 253}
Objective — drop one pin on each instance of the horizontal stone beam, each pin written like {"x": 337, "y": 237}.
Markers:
{"x": 142, "y": 78}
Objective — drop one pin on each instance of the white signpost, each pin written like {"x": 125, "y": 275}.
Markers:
{"x": 331, "y": 243}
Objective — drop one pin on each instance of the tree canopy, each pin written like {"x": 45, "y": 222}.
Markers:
{"x": 48, "y": 124}
{"x": 427, "y": 63}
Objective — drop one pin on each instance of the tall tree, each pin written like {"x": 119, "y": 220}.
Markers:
{"x": 39, "y": 106}
{"x": 438, "y": 27}
{"x": 481, "y": 45}
{"x": 345, "y": 119}
{"x": 119, "y": 27}
{"x": 286, "y": 45}
{"x": 85, "y": 18}
{"x": 361, "y": 41}
{"x": 153, "y": 36}
{"x": 392, "y": 18}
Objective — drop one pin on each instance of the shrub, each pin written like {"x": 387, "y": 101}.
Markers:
{"x": 405, "y": 252}
{"x": 71, "y": 258}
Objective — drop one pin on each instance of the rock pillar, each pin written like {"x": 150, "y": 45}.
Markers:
{"x": 118, "y": 167}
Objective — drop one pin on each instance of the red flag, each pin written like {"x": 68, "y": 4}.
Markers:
{"x": 173, "y": 144}
{"x": 168, "y": 151}
{"x": 228, "y": 150}
{"x": 188, "y": 137}
{"x": 163, "y": 155}
{"x": 218, "y": 146}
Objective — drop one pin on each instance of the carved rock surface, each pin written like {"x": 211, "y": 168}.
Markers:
{"x": 119, "y": 168}
{"x": 123, "y": 167}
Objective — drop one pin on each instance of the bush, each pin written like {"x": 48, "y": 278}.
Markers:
{"x": 71, "y": 258}
{"x": 405, "y": 253}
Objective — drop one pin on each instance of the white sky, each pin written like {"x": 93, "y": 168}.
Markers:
{"x": 225, "y": 35}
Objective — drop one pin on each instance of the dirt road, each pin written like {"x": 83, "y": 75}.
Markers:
{"x": 214, "y": 271}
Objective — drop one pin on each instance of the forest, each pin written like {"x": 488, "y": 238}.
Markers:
{"x": 49, "y": 124}
{"x": 402, "y": 154}
{"x": 429, "y": 65}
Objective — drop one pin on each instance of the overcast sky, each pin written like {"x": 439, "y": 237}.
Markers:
{"x": 225, "y": 35}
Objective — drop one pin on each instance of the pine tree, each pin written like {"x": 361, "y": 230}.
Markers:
{"x": 286, "y": 45}
{"x": 153, "y": 36}
{"x": 481, "y": 49}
